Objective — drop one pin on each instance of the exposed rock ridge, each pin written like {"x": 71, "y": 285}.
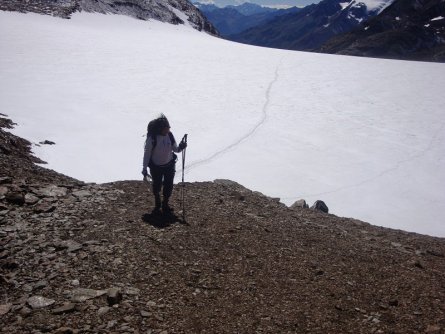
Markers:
{"x": 89, "y": 258}
{"x": 171, "y": 11}
{"x": 408, "y": 29}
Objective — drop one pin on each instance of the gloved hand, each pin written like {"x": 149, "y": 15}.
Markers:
{"x": 144, "y": 171}
{"x": 182, "y": 145}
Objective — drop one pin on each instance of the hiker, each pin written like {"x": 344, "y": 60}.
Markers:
{"x": 159, "y": 156}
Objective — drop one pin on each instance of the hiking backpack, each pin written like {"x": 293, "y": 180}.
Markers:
{"x": 151, "y": 132}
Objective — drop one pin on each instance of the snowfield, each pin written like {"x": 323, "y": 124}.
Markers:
{"x": 366, "y": 136}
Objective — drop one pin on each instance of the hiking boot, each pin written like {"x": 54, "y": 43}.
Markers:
{"x": 165, "y": 207}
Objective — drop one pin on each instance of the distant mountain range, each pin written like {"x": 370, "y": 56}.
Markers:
{"x": 401, "y": 29}
{"x": 265, "y": 3}
{"x": 312, "y": 26}
{"x": 408, "y": 29}
{"x": 235, "y": 19}
{"x": 171, "y": 11}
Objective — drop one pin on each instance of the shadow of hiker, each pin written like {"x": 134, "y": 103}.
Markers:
{"x": 159, "y": 220}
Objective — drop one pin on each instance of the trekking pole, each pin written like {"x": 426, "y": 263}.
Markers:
{"x": 184, "y": 140}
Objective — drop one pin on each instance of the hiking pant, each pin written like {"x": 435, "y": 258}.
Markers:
{"x": 163, "y": 178}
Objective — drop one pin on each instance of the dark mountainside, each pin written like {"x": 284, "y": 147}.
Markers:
{"x": 235, "y": 19}
{"x": 404, "y": 30}
{"x": 160, "y": 10}
{"x": 309, "y": 28}
{"x": 90, "y": 258}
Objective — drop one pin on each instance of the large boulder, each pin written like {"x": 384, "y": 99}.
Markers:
{"x": 320, "y": 206}
{"x": 301, "y": 203}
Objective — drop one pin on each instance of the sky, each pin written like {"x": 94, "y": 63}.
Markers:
{"x": 265, "y": 3}
{"x": 364, "y": 135}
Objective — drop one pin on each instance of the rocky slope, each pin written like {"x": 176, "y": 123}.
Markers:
{"x": 92, "y": 258}
{"x": 171, "y": 11}
{"x": 408, "y": 29}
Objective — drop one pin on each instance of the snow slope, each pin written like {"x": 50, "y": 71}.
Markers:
{"x": 366, "y": 136}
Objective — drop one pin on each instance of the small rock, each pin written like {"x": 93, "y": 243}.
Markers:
{"x": 145, "y": 314}
{"x": 64, "y": 330}
{"x": 37, "y": 302}
{"x": 435, "y": 253}
{"x": 66, "y": 308}
{"x": 300, "y": 204}
{"x": 40, "y": 285}
{"x": 151, "y": 304}
{"x": 419, "y": 264}
{"x": 131, "y": 291}
{"x": 319, "y": 272}
{"x": 27, "y": 288}
{"x": 114, "y": 296}
{"x": 25, "y": 311}
{"x": 15, "y": 197}
{"x": 44, "y": 207}
{"x": 81, "y": 295}
{"x": 47, "y": 142}
{"x": 4, "y": 254}
{"x": 31, "y": 199}
{"x": 5, "y": 179}
{"x": 9, "y": 265}
{"x": 69, "y": 245}
{"x": 126, "y": 304}
{"x": 75, "y": 282}
{"x": 51, "y": 191}
{"x": 3, "y": 191}
{"x": 383, "y": 306}
{"x": 103, "y": 310}
{"x": 393, "y": 302}
{"x": 73, "y": 246}
{"x": 433, "y": 329}
{"x": 5, "y": 308}
{"x": 111, "y": 324}
{"x": 82, "y": 194}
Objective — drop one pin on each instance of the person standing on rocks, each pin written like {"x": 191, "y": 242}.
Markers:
{"x": 160, "y": 157}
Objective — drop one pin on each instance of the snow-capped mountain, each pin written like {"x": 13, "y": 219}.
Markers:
{"x": 171, "y": 11}
{"x": 408, "y": 29}
{"x": 312, "y": 26}
{"x": 235, "y": 19}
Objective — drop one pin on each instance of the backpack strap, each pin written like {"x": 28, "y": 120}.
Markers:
{"x": 153, "y": 140}
{"x": 172, "y": 138}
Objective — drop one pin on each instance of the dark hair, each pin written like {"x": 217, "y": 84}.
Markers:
{"x": 163, "y": 122}
{"x": 156, "y": 126}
